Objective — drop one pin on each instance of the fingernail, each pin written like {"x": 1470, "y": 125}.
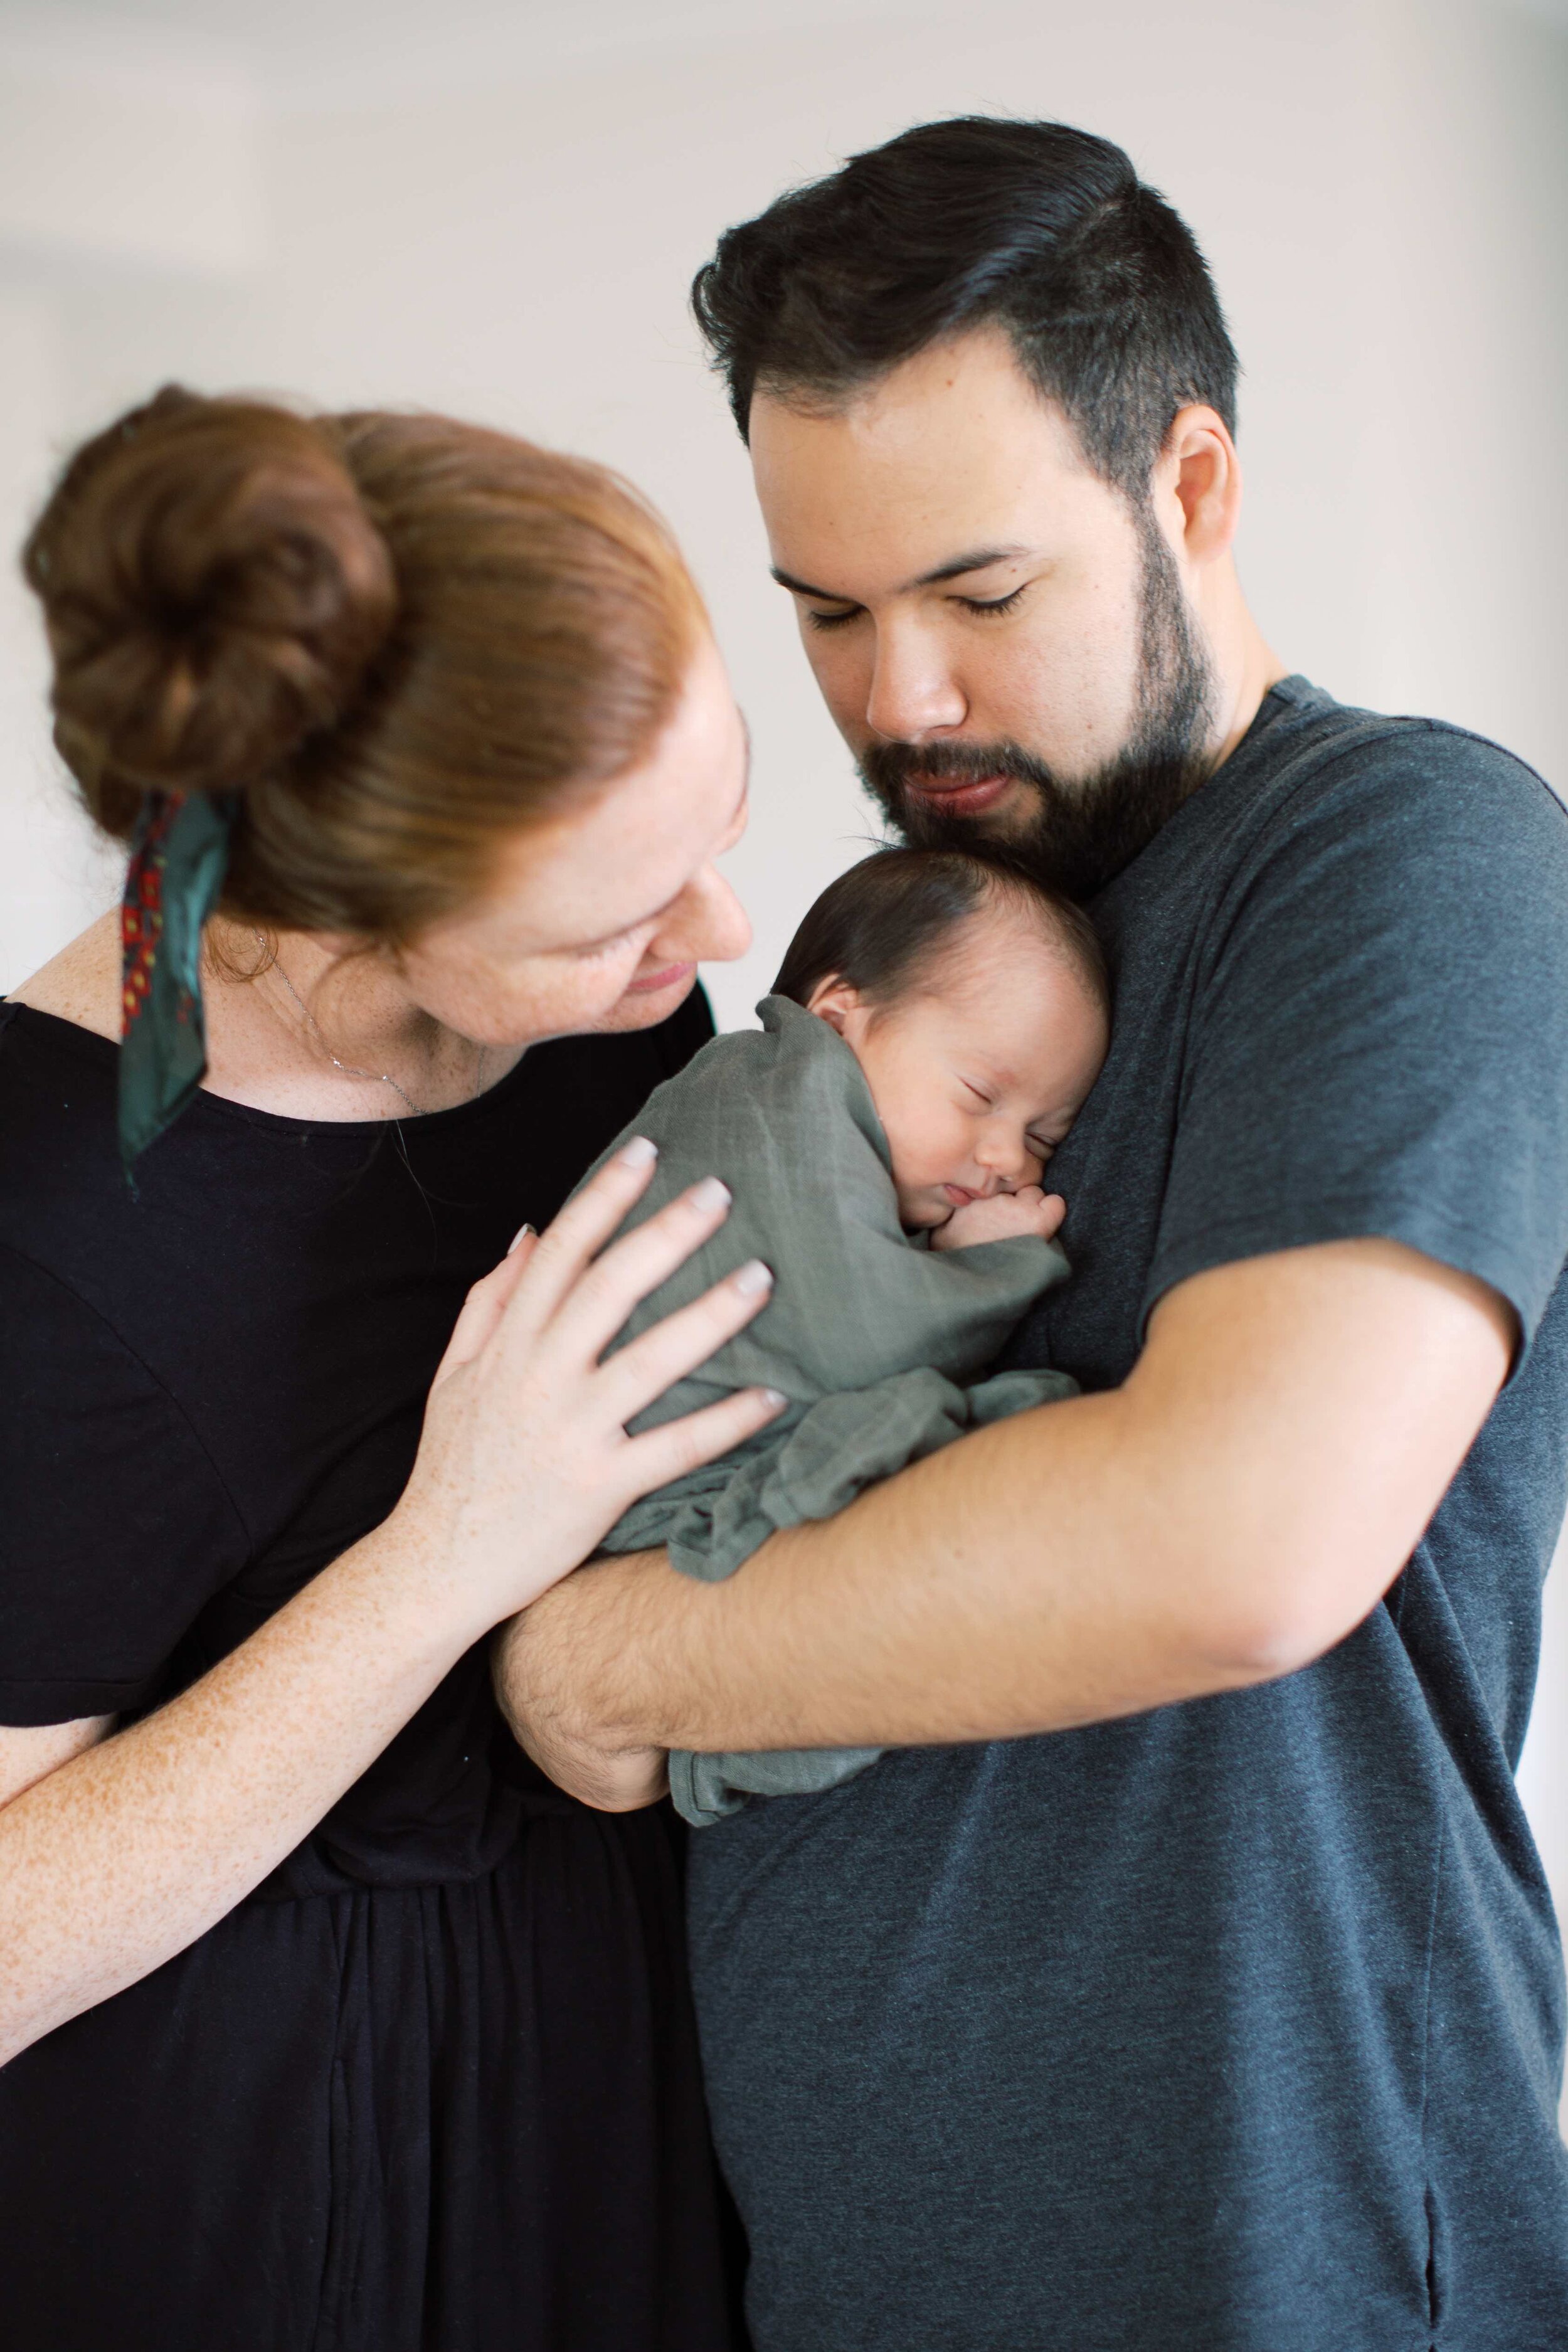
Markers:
{"x": 638, "y": 1153}
{"x": 520, "y": 1235}
{"x": 709, "y": 1194}
{"x": 775, "y": 1398}
{"x": 753, "y": 1276}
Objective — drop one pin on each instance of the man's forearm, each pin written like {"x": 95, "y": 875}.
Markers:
{"x": 913, "y": 1616}
{"x": 1231, "y": 1511}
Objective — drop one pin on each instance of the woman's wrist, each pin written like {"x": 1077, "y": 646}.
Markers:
{"x": 430, "y": 1590}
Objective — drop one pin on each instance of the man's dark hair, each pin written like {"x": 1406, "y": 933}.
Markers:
{"x": 883, "y": 925}
{"x": 1038, "y": 229}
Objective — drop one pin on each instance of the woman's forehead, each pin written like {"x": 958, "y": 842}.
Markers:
{"x": 620, "y": 855}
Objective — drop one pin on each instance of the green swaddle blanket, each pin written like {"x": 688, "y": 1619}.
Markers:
{"x": 875, "y": 1338}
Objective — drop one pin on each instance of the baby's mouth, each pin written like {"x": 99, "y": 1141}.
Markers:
{"x": 957, "y": 1195}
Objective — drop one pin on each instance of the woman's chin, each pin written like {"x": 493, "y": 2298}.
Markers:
{"x": 645, "y": 1003}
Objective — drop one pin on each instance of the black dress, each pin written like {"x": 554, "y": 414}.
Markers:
{"x": 434, "y": 2086}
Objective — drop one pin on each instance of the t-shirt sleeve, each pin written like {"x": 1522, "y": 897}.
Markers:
{"x": 115, "y": 1528}
{"x": 1379, "y": 1044}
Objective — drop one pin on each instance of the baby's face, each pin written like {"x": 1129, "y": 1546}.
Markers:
{"x": 979, "y": 1074}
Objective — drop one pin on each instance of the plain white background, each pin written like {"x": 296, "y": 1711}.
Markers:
{"x": 495, "y": 209}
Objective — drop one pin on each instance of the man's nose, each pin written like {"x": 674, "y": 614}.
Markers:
{"x": 914, "y": 692}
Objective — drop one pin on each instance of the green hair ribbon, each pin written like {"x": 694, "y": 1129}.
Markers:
{"x": 178, "y": 859}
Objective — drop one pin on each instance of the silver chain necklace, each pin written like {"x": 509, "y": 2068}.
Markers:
{"x": 352, "y": 1069}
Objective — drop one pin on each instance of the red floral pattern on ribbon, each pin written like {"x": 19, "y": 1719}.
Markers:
{"x": 141, "y": 911}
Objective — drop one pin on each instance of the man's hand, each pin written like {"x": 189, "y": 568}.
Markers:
{"x": 1001, "y": 1218}
{"x": 566, "y": 1749}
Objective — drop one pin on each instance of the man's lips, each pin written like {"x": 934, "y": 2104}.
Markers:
{"x": 960, "y": 796}
{"x": 665, "y": 979}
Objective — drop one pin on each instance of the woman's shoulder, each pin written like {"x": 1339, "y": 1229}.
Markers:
{"x": 81, "y": 984}
{"x": 58, "y": 1148}
{"x": 60, "y": 1035}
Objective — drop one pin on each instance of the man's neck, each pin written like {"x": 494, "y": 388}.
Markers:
{"x": 1245, "y": 665}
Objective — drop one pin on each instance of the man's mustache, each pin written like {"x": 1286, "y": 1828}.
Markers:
{"x": 891, "y": 768}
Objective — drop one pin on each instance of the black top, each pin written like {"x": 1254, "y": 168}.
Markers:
{"x": 1236, "y": 2026}
{"x": 214, "y": 1386}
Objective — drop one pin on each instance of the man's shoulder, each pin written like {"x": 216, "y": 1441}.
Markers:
{"x": 1346, "y": 817}
{"x": 1324, "y": 761}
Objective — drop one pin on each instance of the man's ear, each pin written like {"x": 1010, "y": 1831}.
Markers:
{"x": 833, "y": 1000}
{"x": 1199, "y": 474}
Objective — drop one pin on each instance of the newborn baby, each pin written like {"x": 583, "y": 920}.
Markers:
{"x": 930, "y": 1040}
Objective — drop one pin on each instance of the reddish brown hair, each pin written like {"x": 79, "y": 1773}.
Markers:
{"x": 398, "y": 638}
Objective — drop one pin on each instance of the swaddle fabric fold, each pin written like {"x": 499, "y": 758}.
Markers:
{"x": 878, "y": 1341}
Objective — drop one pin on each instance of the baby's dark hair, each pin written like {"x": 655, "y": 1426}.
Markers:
{"x": 883, "y": 924}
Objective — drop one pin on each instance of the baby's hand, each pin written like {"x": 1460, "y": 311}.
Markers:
{"x": 1002, "y": 1216}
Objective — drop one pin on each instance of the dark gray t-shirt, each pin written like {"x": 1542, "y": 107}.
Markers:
{"x": 1236, "y": 2026}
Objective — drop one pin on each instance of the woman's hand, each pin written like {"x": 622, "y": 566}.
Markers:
{"x": 524, "y": 1462}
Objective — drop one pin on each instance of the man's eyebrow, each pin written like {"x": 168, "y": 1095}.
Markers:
{"x": 974, "y": 559}
{"x": 979, "y": 559}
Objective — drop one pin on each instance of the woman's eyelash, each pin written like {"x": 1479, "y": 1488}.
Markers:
{"x": 830, "y": 620}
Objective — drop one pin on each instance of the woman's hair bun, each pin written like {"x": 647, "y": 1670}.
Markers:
{"x": 214, "y": 592}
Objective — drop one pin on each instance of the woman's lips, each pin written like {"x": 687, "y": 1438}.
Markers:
{"x": 665, "y": 979}
{"x": 972, "y": 799}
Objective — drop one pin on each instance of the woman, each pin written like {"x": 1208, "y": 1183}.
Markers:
{"x": 330, "y": 2022}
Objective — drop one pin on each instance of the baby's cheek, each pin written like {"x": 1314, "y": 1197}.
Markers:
{"x": 917, "y": 1212}
{"x": 915, "y": 1185}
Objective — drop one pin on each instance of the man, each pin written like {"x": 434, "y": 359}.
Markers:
{"x": 1211, "y": 1996}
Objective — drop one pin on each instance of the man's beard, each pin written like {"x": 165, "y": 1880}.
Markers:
{"x": 1075, "y": 837}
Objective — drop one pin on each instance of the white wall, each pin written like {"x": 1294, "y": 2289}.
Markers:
{"x": 495, "y": 209}
{"x": 502, "y": 220}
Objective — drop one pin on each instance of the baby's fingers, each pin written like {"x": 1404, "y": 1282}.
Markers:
{"x": 678, "y": 1446}
{"x": 656, "y": 1359}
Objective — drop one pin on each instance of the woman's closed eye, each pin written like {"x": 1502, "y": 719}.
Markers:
{"x": 604, "y": 950}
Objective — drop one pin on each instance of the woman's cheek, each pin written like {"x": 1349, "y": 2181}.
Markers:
{"x": 599, "y": 1002}
{"x": 548, "y": 1004}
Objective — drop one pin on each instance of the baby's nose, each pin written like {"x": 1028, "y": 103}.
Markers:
{"x": 1007, "y": 1155}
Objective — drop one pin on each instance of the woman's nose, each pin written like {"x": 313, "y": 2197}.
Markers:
{"x": 707, "y": 923}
